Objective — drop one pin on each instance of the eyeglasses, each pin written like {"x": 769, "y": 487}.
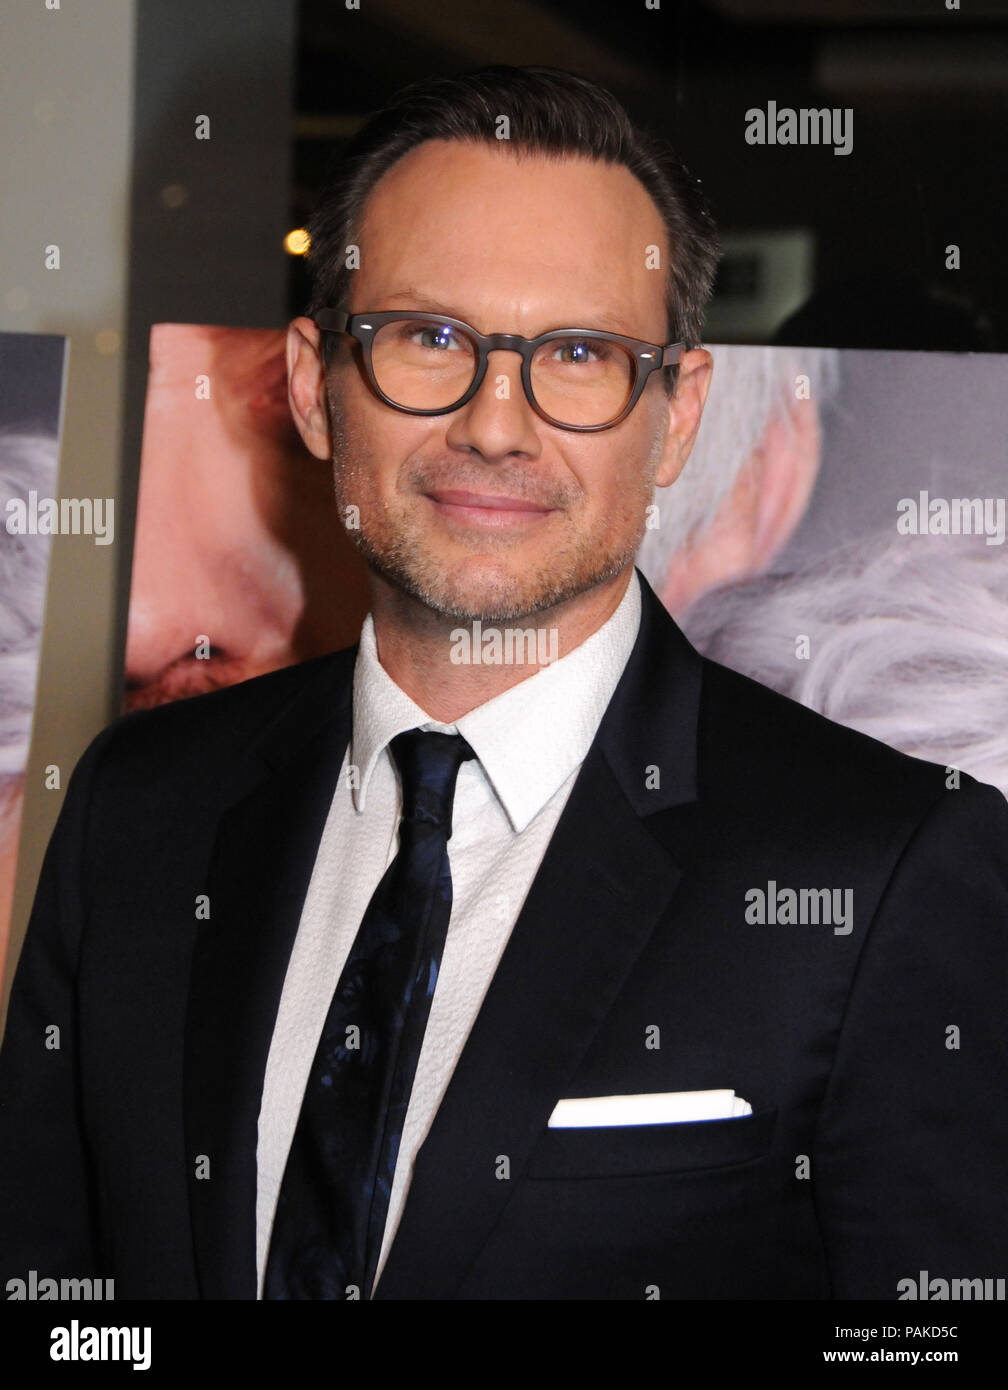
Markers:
{"x": 427, "y": 364}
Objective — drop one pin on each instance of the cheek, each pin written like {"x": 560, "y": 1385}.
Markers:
{"x": 375, "y": 447}
{"x": 614, "y": 482}
{"x": 625, "y": 502}
{"x": 364, "y": 431}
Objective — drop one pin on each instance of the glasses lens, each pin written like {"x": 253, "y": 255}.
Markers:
{"x": 423, "y": 364}
{"x": 582, "y": 381}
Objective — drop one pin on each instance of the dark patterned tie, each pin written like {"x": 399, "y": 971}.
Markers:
{"x": 330, "y": 1216}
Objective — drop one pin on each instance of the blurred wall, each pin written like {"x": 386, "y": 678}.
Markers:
{"x": 98, "y": 114}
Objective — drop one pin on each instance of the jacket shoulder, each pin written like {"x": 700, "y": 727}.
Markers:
{"x": 217, "y": 726}
{"x": 747, "y": 728}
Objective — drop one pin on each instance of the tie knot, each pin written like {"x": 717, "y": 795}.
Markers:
{"x": 428, "y": 765}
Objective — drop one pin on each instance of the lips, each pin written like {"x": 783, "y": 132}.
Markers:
{"x": 457, "y": 497}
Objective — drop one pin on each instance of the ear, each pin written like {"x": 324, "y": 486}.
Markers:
{"x": 306, "y": 385}
{"x": 758, "y": 517}
{"x": 684, "y": 410}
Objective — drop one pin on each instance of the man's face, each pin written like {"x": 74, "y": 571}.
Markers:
{"x": 508, "y": 245}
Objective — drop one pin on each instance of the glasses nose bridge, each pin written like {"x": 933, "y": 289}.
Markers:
{"x": 506, "y": 342}
{"x": 509, "y": 342}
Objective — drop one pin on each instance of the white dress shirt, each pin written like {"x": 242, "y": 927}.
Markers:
{"x": 529, "y": 743}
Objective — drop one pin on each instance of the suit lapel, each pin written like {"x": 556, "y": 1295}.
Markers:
{"x": 602, "y": 887}
{"x": 257, "y": 879}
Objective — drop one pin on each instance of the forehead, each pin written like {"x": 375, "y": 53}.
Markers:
{"x": 495, "y": 230}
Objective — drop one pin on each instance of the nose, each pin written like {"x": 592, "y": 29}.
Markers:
{"x": 499, "y": 420}
{"x": 197, "y": 607}
{"x": 173, "y": 604}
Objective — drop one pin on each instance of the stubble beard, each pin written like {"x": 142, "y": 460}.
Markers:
{"x": 395, "y": 543}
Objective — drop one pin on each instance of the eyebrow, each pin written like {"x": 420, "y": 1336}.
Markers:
{"x": 611, "y": 323}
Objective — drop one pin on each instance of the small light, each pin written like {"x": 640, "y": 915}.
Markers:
{"x": 174, "y": 195}
{"x": 296, "y": 243}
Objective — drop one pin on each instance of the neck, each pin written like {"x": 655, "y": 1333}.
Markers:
{"x": 431, "y": 656}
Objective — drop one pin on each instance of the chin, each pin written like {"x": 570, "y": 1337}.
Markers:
{"x": 497, "y": 586}
{"x": 497, "y": 594}
{"x": 488, "y": 590}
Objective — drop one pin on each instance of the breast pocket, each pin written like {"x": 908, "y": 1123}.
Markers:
{"x": 639, "y": 1150}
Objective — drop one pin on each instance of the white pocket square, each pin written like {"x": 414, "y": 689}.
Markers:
{"x": 658, "y": 1108}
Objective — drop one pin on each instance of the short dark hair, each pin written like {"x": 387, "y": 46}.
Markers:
{"x": 549, "y": 111}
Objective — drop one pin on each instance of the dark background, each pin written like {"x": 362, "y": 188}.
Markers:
{"x": 928, "y": 88}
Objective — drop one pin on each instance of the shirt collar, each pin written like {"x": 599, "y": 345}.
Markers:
{"x": 529, "y": 739}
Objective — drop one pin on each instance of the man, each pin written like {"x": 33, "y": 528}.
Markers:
{"x": 281, "y": 1069}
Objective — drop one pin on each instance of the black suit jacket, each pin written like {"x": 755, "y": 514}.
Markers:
{"x": 877, "y": 1147}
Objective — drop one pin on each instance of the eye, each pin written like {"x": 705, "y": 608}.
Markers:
{"x": 576, "y": 352}
{"x": 437, "y": 337}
